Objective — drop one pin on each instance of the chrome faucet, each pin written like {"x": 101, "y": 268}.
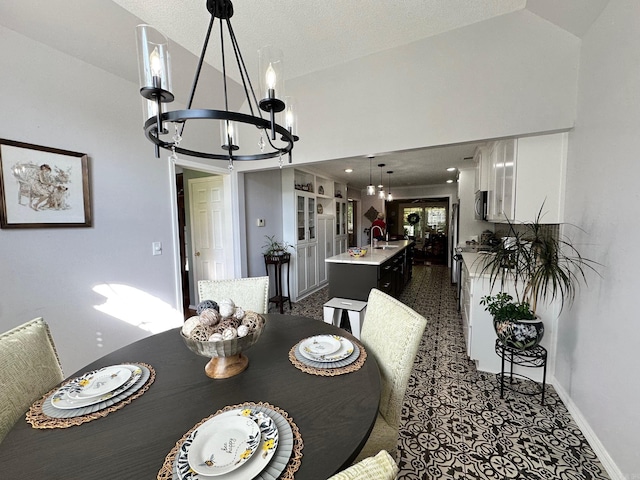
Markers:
{"x": 372, "y": 235}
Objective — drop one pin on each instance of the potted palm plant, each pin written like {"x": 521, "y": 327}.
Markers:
{"x": 542, "y": 266}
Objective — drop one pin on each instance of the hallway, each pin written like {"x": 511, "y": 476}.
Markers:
{"x": 454, "y": 424}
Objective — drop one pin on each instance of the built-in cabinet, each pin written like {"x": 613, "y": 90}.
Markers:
{"x": 325, "y": 245}
{"x": 306, "y": 265}
{"x": 305, "y": 217}
{"x": 314, "y": 222}
{"x": 477, "y": 323}
{"x": 522, "y": 174}
{"x": 481, "y": 158}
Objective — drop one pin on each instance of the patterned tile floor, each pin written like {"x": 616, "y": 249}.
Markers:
{"x": 454, "y": 425}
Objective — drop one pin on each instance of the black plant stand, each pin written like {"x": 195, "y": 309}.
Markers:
{"x": 278, "y": 261}
{"x": 535, "y": 357}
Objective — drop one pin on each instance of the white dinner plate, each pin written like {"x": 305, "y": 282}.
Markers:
{"x": 61, "y": 399}
{"x": 329, "y": 365}
{"x": 259, "y": 467}
{"x": 102, "y": 381}
{"x": 346, "y": 349}
{"x": 321, "y": 345}
{"x": 223, "y": 444}
{"x": 139, "y": 377}
{"x": 266, "y": 450}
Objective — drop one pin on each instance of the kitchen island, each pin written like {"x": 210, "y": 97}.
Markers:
{"x": 387, "y": 268}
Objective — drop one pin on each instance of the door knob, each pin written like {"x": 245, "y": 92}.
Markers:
{"x": 197, "y": 254}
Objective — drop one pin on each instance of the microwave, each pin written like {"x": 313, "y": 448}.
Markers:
{"x": 481, "y": 205}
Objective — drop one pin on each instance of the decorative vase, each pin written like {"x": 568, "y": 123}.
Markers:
{"x": 519, "y": 334}
{"x": 226, "y": 356}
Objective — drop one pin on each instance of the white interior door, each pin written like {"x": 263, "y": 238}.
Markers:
{"x": 207, "y": 207}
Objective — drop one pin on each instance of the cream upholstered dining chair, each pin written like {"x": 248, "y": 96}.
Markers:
{"x": 391, "y": 334}
{"x": 249, "y": 293}
{"x": 380, "y": 467}
{"x": 29, "y": 368}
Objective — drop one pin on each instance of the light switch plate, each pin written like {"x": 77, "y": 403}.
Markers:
{"x": 156, "y": 248}
{"x": 260, "y": 222}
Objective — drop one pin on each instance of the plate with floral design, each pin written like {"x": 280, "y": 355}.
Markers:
{"x": 223, "y": 444}
{"x": 320, "y": 345}
{"x": 345, "y": 349}
{"x": 67, "y": 397}
{"x": 268, "y": 461}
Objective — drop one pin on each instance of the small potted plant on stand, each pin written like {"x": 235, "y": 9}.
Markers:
{"x": 542, "y": 267}
{"x": 275, "y": 248}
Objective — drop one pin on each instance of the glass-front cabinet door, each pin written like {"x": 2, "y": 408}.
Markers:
{"x": 311, "y": 213}
{"x": 301, "y": 228}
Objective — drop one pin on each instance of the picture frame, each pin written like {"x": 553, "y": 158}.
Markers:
{"x": 43, "y": 187}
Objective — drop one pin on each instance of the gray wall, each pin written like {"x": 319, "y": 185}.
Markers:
{"x": 263, "y": 199}
{"x": 54, "y": 100}
{"x": 597, "y": 343}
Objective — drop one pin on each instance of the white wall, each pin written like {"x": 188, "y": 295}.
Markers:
{"x": 597, "y": 345}
{"x": 510, "y": 75}
{"x": 54, "y": 100}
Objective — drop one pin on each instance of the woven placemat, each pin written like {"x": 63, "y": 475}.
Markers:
{"x": 37, "y": 418}
{"x": 328, "y": 372}
{"x": 166, "y": 472}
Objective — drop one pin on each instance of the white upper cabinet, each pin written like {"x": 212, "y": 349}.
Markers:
{"x": 526, "y": 175}
{"x": 481, "y": 157}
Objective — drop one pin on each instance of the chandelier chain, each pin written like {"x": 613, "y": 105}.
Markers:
{"x": 243, "y": 71}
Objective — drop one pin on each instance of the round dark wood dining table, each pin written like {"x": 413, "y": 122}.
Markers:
{"x": 334, "y": 414}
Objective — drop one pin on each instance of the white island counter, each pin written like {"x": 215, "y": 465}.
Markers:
{"x": 376, "y": 256}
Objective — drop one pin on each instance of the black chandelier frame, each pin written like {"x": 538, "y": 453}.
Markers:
{"x": 154, "y": 126}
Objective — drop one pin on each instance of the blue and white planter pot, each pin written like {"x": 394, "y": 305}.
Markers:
{"x": 520, "y": 334}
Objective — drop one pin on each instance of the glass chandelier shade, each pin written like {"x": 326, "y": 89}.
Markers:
{"x": 381, "y": 194}
{"x": 389, "y": 197}
{"x": 371, "y": 190}
{"x": 154, "y": 68}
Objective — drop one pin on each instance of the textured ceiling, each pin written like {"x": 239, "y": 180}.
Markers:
{"x": 315, "y": 35}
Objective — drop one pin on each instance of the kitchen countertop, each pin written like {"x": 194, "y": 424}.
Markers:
{"x": 474, "y": 263}
{"x": 373, "y": 257}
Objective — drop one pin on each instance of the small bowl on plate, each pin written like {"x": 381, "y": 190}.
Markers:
{"x": 357, "y": 252}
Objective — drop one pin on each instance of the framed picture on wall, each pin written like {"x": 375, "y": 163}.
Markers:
{"x": 42, "y": 187}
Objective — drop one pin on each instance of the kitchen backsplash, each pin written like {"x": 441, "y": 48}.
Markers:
{"x": 504, "y": 229}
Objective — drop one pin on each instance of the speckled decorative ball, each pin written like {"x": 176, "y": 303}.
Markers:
{"x": 189, "y": 325}
{"x": 226, "y": 323}
{"x": 210, "y": 317}
{"x": 202, "y": 333}
{"x": 252, "y": 320}
{"x": 216, "y": 337}
{"x": 229, "y": 333}
{"x": 206, "y": 304}
{"x": 243, "y": 331}
{"x": 239, "y": 313}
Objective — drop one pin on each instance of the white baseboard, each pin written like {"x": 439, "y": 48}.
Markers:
{"x": 604, "y": 457}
